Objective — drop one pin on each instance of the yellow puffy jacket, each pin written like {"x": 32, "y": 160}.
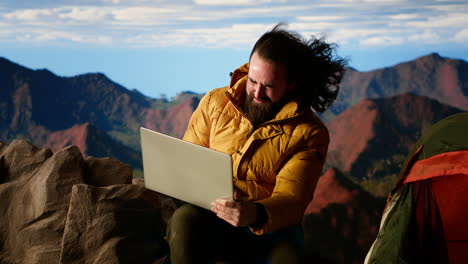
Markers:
{"x": 277, "y": 164}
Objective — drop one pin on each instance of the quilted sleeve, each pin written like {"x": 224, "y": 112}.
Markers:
{"x": 295, "y": 183}
{"x": 198, "y": 130}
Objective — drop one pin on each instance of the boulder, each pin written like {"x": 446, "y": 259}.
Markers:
{"x": 107, "y": 171}
{"x": 61, "y": 208}
{"x": 115, "y": 224}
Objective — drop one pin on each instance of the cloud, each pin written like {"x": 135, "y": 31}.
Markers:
{"x": 461, "y": 36}
{"x": 235, "y": 36}
{"x": 400, "y": 17}
{"x": 234, "y": 23}
{"x": 233, "y": 2}
{"x": 30, "y": 14}
{"x": 428, "y": 37}
{"x": 85, "y": 15}
{"x": 148, "y": 15}
{"x": 458, "y": 20}
{"x": 382, "y": 41}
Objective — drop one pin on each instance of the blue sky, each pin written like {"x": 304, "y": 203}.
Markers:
{"x": 164, "y": 47}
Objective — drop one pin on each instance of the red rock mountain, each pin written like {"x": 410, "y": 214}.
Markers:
{"x": 92, "y": 142}
{"x": 372, "y": 138}
{"x": 369, "y": 139}
{"x": 443, "y": 79}
{"x": 36, "y": 103}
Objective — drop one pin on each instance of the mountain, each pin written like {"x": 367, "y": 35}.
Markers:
{"x": 342, "y": 220}
{"x": 92, "y": 142}
{"x": 443, "y": 79}
{"x": 378, "y": 116}
{"x": 36, "y": 103}
{"x": 372, "y": 138}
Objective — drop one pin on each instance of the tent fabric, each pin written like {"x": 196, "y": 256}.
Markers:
{"x": 445, "y": 164}
{"x": 424, "y": 219}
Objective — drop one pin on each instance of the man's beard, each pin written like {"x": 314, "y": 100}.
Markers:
{"x": 260, "y": 113}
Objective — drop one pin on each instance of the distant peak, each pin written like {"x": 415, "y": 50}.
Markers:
{"x": 90, "y": 76}
{"x": 44, "y": 70}
{"x": 434, "y": 54}
{"x": 431, "y": 57}
{"x": 6, "y": 63}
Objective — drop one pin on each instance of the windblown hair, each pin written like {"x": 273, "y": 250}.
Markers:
{"x": 310, "y": 64}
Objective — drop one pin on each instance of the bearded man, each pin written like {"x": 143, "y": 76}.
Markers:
{"x": 265, "y": 120}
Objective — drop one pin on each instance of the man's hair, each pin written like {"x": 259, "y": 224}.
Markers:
{"x": 310, "y": 64}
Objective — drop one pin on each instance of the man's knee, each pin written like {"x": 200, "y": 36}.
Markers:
{"x": 187, "y": 218}
{"x": 187, "y": 234}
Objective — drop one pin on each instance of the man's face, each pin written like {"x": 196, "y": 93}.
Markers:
{"x": 266, "y": 80}
{"x": 266, "y": 88}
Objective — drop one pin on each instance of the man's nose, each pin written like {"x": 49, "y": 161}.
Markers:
{"x": 259, "y": 91}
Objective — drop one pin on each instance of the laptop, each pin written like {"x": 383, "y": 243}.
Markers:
{"x": 184, "y": 170}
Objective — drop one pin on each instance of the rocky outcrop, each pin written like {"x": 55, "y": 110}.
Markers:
{"x": 62, "y": 208}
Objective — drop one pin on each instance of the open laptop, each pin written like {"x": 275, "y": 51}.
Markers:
{"x": 185, "y": 171}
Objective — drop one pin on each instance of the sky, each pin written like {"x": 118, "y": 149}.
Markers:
{"x": 165, "y": 47}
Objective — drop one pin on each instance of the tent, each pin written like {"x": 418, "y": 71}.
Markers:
{"x": 425, "y": 219}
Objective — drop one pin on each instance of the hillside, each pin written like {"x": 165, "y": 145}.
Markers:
{"x": 92, "y": 142}
{"x": 377, "y": 118}
{"x": 443, "y": 79}
{"x": 370, "y": 140}
{"x": 342, "y": 220}
{"x": 36, "y": 103}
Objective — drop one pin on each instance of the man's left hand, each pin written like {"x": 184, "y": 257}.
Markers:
{"x": 237, "y": 213}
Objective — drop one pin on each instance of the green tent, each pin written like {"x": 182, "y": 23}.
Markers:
{"x": 424, "y": 220}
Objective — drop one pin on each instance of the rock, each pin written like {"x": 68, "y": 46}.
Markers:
{"x": 34, "y": 200}
{"x": 107, "y": 171}
{"x": 53, "y": 209}
{"x": 115, "y": 224}
{"x": 167, "y": 204}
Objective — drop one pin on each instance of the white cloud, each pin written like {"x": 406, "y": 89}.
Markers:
{"x": 372, "y": 1}
{"x": 232, "y": 2}
{"x": 427, "y": 37}
{"x": 148, "y": 15}
{"x": 47, "y": 36}
{"x": 461, "y": 36}
{"x": 238, "y": 35}
{"x": 382, "y": 41}
{"x": 30, "y": 14}
{"x": 319, "y": 18}
{"x": 211, "y": 23}
{"x": 457, "y": 20}
{"x": 449, "y": 7}
{"x": 85, "y": 15}
{"x": 404, "y": 17}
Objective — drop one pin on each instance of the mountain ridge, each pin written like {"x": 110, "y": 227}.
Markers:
{"x": 442, "y": 79}
{"x": 38, "y": 102}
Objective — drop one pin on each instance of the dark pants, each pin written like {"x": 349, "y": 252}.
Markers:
{"x": 196, "y": 235}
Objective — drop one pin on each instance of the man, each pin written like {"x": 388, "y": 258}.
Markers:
{"x": 278, "y": 147}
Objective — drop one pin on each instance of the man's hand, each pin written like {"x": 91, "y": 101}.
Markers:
{"x": 237, "y": 213}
